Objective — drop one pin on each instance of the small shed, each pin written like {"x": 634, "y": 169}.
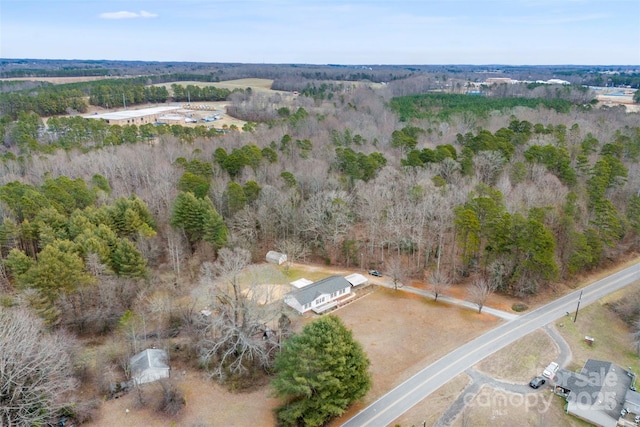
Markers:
{"x": 277, "y": 258}
{"x": 149, "y": 365}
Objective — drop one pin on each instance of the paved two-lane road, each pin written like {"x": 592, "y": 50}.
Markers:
{"x": 389, "y": 407}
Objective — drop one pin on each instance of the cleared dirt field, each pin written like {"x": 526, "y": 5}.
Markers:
{"x": 262, "y": 85}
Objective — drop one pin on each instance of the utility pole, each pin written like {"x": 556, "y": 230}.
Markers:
{"x": 124, "y": 102}
{"x": 577, "y": 308}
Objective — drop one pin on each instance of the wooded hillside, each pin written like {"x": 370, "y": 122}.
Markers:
{"x": 520, "y": 192}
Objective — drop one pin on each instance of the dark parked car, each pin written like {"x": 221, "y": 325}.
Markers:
{"x": 536, "y": 382}
{"x": 375, "y": 273}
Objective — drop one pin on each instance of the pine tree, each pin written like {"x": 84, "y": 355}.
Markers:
{"x": 199, "y": 219}
{"x": 127, "y": 261}
{"x": 319, "y": 373}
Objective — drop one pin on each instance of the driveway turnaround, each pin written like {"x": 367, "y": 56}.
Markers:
{"x": 385, "y": 410}
{"x": 479, "y": 379}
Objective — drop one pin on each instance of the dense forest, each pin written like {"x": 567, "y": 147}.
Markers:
{"x": 523, "y": 191}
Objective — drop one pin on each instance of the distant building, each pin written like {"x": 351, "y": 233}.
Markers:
{"x": 172, "y": 119}
{"x": 499, "y": 80}
{"x": 558, "y": 82}
{"x": 553, "y": 82}
{"x": 133, "y": 117}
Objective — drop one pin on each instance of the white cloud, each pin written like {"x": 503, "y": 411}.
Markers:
{"x": 123, "y": 14}
{"x": 145, "y": 14}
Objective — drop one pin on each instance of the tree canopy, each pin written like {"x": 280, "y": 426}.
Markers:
{"x": 319, "y": 373}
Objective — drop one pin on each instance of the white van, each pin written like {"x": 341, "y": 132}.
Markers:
{"x": 550, "y": 371}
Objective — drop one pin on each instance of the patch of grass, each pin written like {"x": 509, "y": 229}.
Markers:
{"x": 521, "y": 360}
{"x": 7, "y": 301}
{"x": 519, "y": 307}
{"x": 497, "y": 408}
{"x": 612, "y": 336}
{"x": 494, "y": 408}
{"x": 296, "y": 273}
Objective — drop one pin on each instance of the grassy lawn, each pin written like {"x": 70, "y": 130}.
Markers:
{"x": 612, "y": 336}
{"x": 497, "y": 408}
{"x": 521, "y": 360}
{"x": 526, "y": 357}
{"x": 254, "y": 84}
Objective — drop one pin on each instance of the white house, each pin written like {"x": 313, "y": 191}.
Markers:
{"x": 319, "y": 296}
{"x": 276, "y": 257}
{"x": 149, "y": 365}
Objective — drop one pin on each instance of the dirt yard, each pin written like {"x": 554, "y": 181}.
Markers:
{"x": 400, "y": 332}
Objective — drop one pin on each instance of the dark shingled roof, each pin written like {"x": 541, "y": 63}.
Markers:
{"x": 597, "y": 391}
{"x": 325, "y": 286}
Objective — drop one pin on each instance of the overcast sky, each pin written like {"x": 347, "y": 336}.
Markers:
{"x": 515, "y": 32}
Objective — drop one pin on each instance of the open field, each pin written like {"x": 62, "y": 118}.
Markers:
{"x": 616, "y": 96}
{"x": 263, "y": 85}
{"x": 498, "y": 408}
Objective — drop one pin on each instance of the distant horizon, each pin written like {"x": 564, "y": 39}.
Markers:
{"x": 322, "y": 32}
{"x": 322, "y": 64}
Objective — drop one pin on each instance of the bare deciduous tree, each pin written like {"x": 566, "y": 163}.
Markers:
{"x": 172, "y": 400}
{"x": 439, "y": 283}
{"x": 396, "y": 269}
{"x": 96, "y": 309}
{"x": 36, "y": 381}
{"x": 237, "y": 339}
{"x": 176, "y": 249}
{"x": 481, "y": 290}
{"x": 294, "y": 249}
{"x": 327, "y": 219}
